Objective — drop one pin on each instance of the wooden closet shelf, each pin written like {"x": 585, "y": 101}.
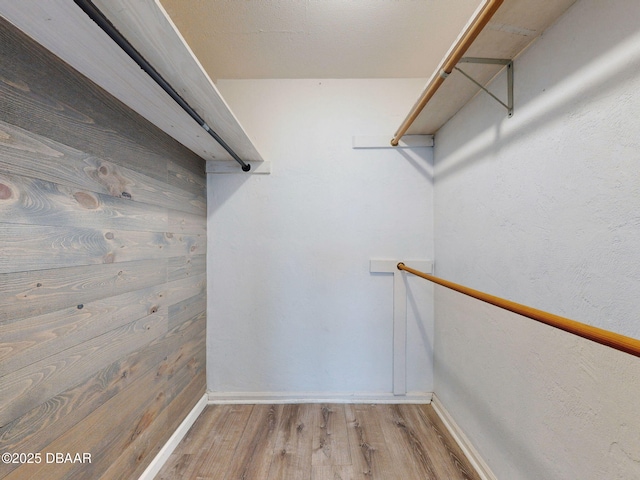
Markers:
{"x": 511, "y": 29}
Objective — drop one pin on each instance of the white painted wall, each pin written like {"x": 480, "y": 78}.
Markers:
{"x": 544, "y": 209}
{"x": 293, "y": 308}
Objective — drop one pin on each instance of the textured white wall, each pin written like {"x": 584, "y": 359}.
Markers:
{"x": 544, "y": 209}
{"x": 293, "y": 307}
{"x": 536, "y": 404}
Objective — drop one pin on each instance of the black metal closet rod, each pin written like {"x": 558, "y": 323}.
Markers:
{"x": 103, "y": 22}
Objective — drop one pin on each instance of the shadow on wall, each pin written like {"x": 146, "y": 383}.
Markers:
{"x": 543, "y": 404}
{"x": 224, "y": 187}
{"x": 414, "y": 309}
{"x": 581, "y": 410}
{"x": 598, "y": 78}
{"x": 485, "y": 416}
{"x": 419, "y": 162}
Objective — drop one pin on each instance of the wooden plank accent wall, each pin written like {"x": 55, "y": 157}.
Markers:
{"x": 102, "y": 273}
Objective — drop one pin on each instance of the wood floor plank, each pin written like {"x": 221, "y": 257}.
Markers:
{"x": 387, "y": 442}
{"x": 369, "y": 451}
{"x": 336, "y": 472}
{"x": 404, "y": 443}
{"x": 216, "y": 453}
{"x": 176, "y": 467}
{"x": 211, "y": 442}
{"x": 254, "y": 452}
{"x": 330, "y": 439}
{"x": 450, "y": 455}
{"x": 201, "y": 433}
{"x": 430, "y": 450}
{"x": 294, "y": 444}
{"x": 208, "y": 448}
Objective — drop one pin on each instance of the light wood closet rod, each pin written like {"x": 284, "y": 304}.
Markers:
{"x": 598, "y": 335}
{"x": 446, "y": 67}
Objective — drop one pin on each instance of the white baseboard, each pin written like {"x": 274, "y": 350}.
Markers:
{"x": 316, "y": 397}
{"x": 163, "y": 455}
{"x": 467, "y": 447}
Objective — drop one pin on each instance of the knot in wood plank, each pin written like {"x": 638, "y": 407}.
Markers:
{"x": 5, "y": 192}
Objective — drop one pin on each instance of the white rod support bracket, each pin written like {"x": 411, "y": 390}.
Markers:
{"x": 228, "y": 167}
{"x": 399, "y": 314}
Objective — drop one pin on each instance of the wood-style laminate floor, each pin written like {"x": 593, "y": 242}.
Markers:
{"x": 318, "y": 442}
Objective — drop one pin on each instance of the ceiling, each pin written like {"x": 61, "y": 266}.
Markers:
{"x": 239, "y": 39}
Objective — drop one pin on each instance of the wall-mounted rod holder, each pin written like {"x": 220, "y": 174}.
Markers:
{"x": 493, "y": 61}
{"x": 399, "y": 317}
{"x": 107, "y": 27}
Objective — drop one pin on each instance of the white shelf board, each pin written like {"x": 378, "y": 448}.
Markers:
{"x": 515, "y": 25}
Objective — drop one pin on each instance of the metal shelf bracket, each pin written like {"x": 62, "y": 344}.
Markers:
{"x": 494, "y": 61}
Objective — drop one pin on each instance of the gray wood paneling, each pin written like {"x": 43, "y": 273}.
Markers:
{"x": 43, "y": 424}
{"x": 41, "y": 94}
{"x": 181, "y": 267}
{"x": 102, "y": 272}
{"x": 25, "y": 294}
{"x": 38, "y": 247}
{"x": 22, "y": 152}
